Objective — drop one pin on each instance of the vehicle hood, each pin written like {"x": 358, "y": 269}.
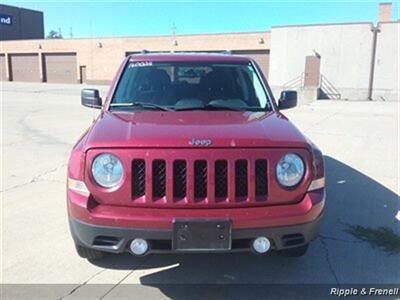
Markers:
{"x": 227, "y": 129}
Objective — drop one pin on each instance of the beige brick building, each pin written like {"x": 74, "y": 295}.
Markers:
{"x": 96, "y": 60}
{"x": 334, "y": 61}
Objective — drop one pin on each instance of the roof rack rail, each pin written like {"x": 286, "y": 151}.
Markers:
{"x": 144, "y": 51}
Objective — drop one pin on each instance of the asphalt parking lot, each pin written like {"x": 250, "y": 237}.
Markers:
{"x": 360, "y": 140}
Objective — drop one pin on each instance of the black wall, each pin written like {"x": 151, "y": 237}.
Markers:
{"x": 26, "y": 24}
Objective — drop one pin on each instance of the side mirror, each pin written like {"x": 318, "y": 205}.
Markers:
{"x": 288, "y": 99}
{"x": 91, "y": 98}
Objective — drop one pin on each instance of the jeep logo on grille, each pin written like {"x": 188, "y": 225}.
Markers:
{"x": 198, "y": 142}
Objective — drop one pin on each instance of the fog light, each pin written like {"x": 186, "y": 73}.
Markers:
{"x": 139, "y": 246}
{"x": 261, "y": 244}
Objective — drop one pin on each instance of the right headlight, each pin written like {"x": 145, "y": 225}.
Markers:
{"x": 290, "y": 170}
{"x": 107, "y": 170}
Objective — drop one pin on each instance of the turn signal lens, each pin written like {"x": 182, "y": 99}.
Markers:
{"x": 78, "y": 187}
{"x": 317, "y": 184}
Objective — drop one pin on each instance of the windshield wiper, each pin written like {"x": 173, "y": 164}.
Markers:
{"x": 208, "y": 107}
{"x": 141, "y": 105}
{"x": 223, "y": 107}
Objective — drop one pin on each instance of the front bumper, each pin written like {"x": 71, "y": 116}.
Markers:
{"x": 117, "y": 239}
{"x": 83, "y": 209}
{"x": 111, "y": 229}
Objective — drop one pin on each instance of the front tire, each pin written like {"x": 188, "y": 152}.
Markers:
{"x": 88, "y": 253}
{"x": 294, "y": 252}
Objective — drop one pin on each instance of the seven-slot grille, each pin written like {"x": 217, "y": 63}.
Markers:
{"x": 200, "y": 181}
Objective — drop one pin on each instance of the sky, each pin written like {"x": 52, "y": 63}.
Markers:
{"x": 144, "y": 18}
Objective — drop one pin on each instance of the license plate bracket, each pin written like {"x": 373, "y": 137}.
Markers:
{"x": 201, "y": 235}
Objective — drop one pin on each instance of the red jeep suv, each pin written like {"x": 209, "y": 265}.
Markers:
{"x": 190, "y": 153}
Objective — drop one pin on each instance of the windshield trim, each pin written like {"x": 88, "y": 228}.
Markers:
{"x": 268, "y": 107}
{"x": 266, "y": 90}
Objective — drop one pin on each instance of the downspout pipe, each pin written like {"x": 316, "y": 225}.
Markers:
{"x": 375, "y": 30}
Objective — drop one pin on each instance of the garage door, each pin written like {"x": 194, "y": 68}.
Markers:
{"x": 3, "y": 75}
{"x": 25, "y": 67}
{"x": 60, "y": 67}
{"x": 260, "y": 56}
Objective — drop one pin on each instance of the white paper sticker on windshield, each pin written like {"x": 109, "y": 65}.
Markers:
{"x": 139, "y": 64}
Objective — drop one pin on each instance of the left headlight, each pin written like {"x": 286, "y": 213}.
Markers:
{"x": 290, "y": 170}
{"x": 107, "y": 170}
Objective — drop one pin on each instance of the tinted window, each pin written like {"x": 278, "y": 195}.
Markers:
{"x": 178, "y": 84}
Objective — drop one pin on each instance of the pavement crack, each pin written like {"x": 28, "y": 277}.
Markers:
{"x": 316, "y": 124}
{"x": 328, "y": 260}
{"x": 39, "y": 176}
{"x": 40, "y": 137}
{"x": 324, "y": 237}
{"x": 123, "y": 278}
{"x": 82, "y": 284}
{"x": 36, "y": 178}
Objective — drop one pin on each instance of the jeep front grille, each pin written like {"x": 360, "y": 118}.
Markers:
{"x": 158, "y": 178}
{"x": 179, "y": 175}
{"x": 138, "y": 177}
{"x": 261, "y": 177}
{"x": 241, "y": 178}
{"x": 221, "y": 179}
{"x": 199, "y": 181}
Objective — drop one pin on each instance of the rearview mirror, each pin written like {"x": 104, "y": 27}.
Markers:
{"x": 288, "y": 99}
{"x": 91, "y": 98}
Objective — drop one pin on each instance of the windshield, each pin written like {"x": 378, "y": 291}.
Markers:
{"x": 189, "y": 86}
